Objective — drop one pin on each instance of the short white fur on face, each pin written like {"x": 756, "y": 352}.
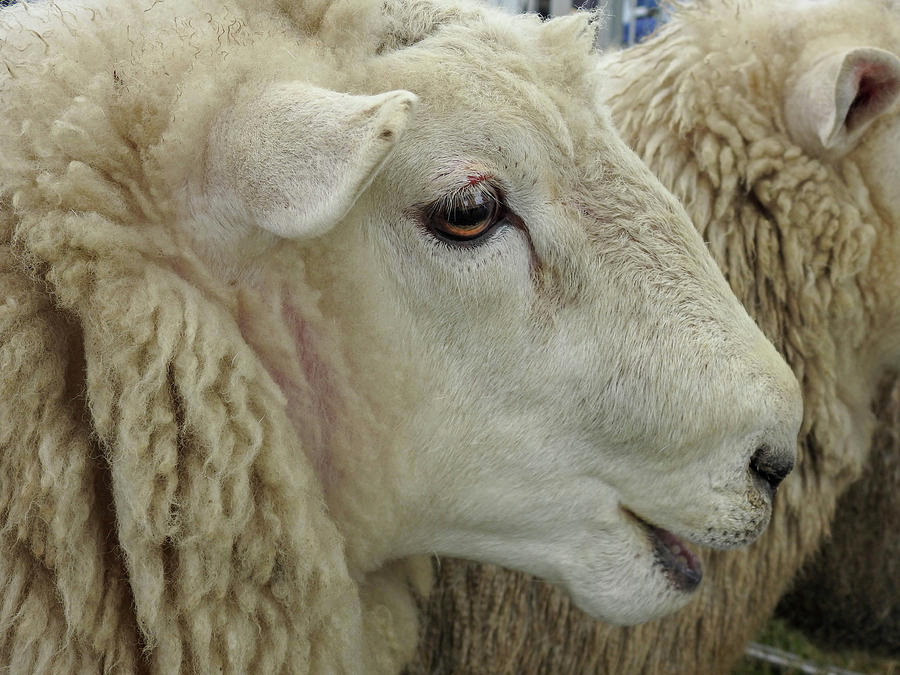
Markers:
{"x": 542, "y": 392}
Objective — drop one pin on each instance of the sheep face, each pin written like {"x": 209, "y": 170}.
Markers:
{"x": 509, "y": 342}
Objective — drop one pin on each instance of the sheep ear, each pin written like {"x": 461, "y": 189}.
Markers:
{"x": 836, "y": 99}
{"x": 294, "y": 158}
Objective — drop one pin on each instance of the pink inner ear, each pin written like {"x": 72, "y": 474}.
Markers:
{"x": 877, "y": 86}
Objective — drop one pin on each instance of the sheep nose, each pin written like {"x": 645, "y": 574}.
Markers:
{"x": 770, "y": 465}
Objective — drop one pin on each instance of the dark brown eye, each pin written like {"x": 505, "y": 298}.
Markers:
{"x": 466, "y": 216}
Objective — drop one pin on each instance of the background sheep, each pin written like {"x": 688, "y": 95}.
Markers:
{"x": 776, "y": 124}
{"x": 266, "y": 332}
{"x": 847, "y": 596}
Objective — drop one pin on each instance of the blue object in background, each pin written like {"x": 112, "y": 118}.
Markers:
{"x": 646, "y": 19}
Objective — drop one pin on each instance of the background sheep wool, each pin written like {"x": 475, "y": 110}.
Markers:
{"x": 847, "y": 595}
{"x": 157, "y": 512}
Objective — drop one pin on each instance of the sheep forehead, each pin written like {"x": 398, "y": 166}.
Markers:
{"x": 493, "y": 40}
{"x": 496, "y": 81}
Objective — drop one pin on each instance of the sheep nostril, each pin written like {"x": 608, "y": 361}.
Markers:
{"x": 770, "y": 465}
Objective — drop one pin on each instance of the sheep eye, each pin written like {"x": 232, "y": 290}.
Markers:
{"x": 466, "y": 216}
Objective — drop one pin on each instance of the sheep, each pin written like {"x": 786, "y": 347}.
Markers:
{"x": 777, "y": 126}
{"x": 296, "y": 293}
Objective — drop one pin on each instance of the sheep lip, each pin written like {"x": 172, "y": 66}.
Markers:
{"x": 679, "y": 564}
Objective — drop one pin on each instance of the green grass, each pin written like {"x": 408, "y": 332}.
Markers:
{"x": 778, "y": 634}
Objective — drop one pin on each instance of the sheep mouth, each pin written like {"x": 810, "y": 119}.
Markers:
{"x": 678, "y": 563}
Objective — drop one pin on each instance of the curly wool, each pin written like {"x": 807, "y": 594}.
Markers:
{"x": 158, "y": 512}
{"x": 792, "y": 234}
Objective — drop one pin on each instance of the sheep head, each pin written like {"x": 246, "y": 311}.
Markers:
{"x": 508, "y": 341}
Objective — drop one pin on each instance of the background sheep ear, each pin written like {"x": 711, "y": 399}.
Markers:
{"x": 833, "y": 102}
{"x": 294, "y": 158}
